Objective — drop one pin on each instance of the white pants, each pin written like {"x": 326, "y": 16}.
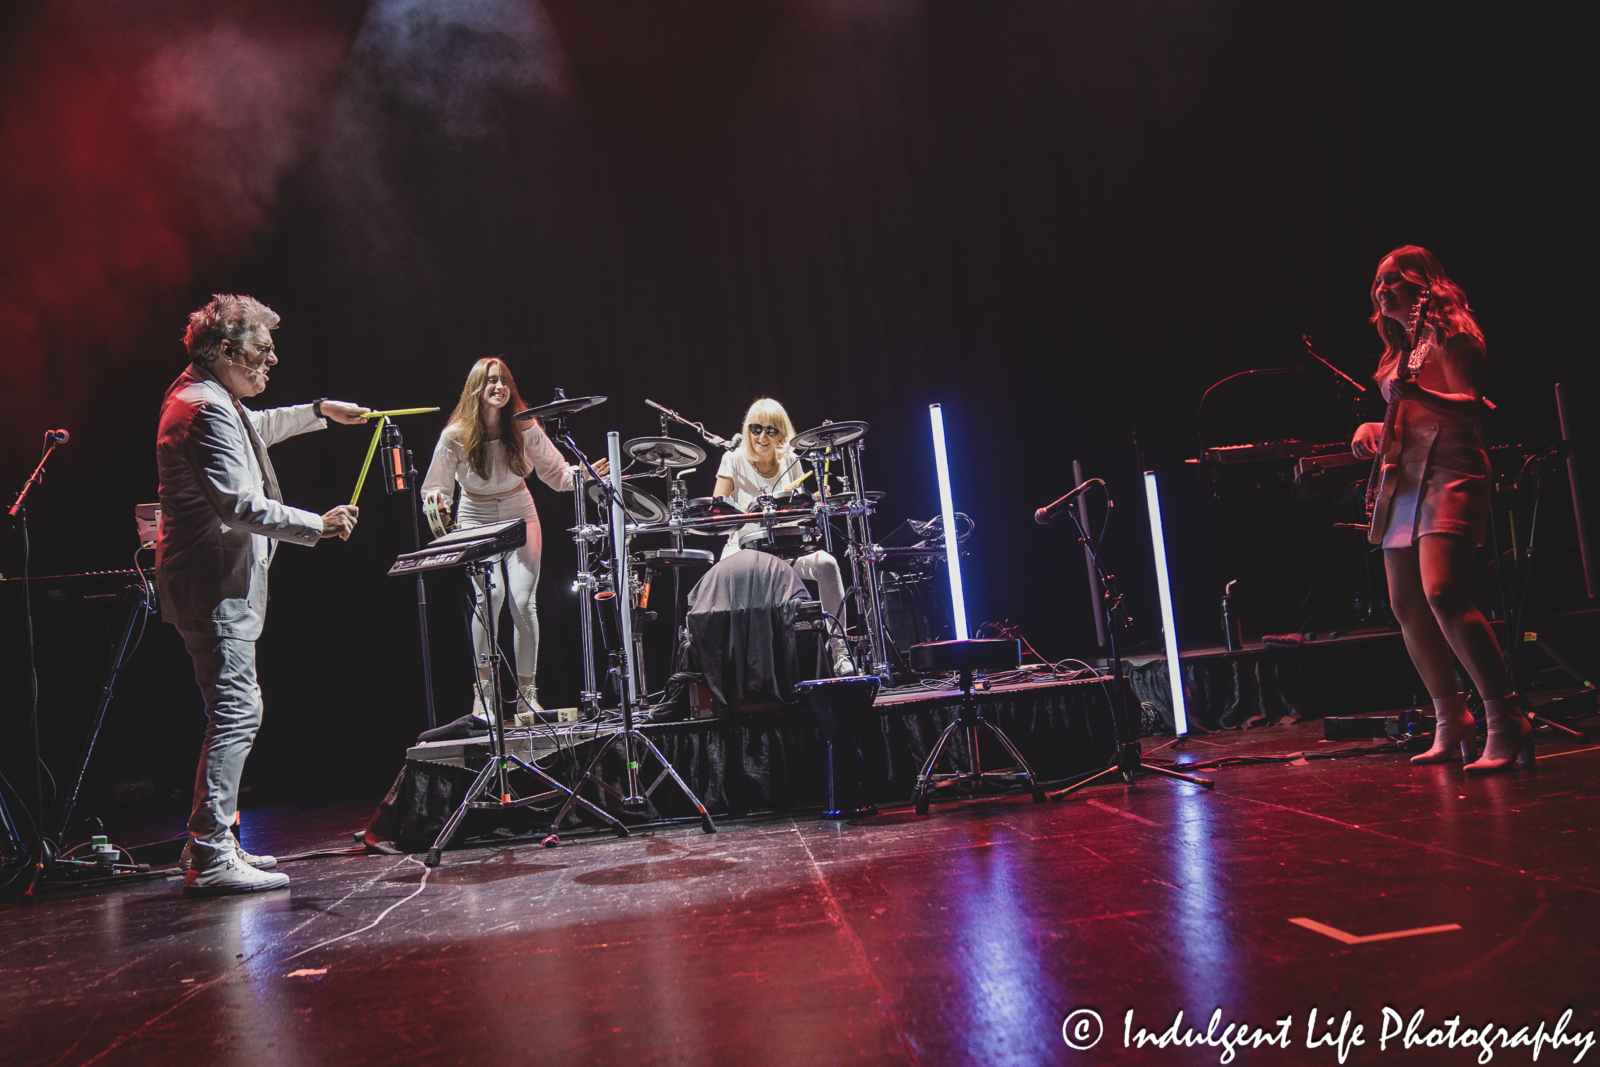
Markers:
{"x": 822, "y": 568}
{"x": 522, "y": 567}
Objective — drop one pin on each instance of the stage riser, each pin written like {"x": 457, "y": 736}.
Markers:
{"x": 1344, "y": 676}
{"x": 772, "y": 762}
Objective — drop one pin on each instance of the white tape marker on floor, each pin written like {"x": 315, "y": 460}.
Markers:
{"x": 1353, "y": 939}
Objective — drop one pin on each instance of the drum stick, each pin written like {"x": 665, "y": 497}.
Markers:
{"x": 397, "y": 411}
{"x": 792, "y": 486}
{"x": 366, "y": 465}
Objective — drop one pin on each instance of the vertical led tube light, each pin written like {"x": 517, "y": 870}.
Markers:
{"x": 1180, "y": 714}
{"x": 947, "y": 512}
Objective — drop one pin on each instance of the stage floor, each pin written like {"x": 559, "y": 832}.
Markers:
{"x": 964, "y": 937}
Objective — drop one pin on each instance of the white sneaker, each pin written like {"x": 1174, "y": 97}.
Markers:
{"x": 260, "y": 863}
{"x": 482, "y": 699}
{"x": 843, "y": 665}
{"x": 529, "y": 710}
{"x": 231, "y": 875}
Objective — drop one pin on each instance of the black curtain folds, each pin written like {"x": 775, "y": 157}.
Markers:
{"x": 1062, "y": 221}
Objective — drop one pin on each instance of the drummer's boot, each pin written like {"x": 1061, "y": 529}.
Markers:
{"x": 843, "y": 665}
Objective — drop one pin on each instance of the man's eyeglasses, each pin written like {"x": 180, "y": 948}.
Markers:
{"x": 758, "y": 430}
{"x": 268, "y": 349}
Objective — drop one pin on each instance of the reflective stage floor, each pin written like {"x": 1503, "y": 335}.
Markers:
{"x": 964, "y": 937}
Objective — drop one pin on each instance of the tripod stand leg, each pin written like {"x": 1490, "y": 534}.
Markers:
{"x": 1540, "y": 720}
{"x": 1087, "y": 779}
{"x": 557, "y": 787}
{"x": 1167, "y": 772}
{"x": 588, "y": 775}
{"x": 919, "y": 795}
{"x": 705, "y": 817}
{"x": 446, "y": 832}
{"x": 1129, "y": 764}
{"x": 1016, "y": 754}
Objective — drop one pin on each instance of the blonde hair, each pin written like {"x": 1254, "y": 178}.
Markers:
{"x": 766, "y": 412}
{"x": 467, "y": 419}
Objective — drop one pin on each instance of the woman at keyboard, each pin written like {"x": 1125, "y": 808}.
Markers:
{"x": 490, "y": 455}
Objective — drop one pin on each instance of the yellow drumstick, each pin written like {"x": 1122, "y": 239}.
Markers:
{"x": 397, "y": 411}
{"x": 796, "y": 483}
{"x": 377, "y": 432}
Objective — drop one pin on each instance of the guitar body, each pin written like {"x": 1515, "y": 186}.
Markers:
{"x": 1386, "y": 460}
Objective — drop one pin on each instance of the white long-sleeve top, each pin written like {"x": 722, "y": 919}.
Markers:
{"x": 450, "y": 465}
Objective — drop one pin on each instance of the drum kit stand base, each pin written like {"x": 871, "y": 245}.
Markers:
{"x": 632, "y": 512}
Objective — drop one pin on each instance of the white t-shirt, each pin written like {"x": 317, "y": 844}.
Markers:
{"x": 748, "y": 483}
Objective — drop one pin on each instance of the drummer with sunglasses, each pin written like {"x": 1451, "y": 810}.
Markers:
{"x": 763, "y": 460}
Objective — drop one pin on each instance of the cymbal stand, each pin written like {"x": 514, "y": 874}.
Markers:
{"x": 819, "y": 468}
{"x": 677, "y": 501}
{"x": 584, "y": 585}
{"x": 501, "y": 763}
{"x": 1129, "y": 760}
{"x": 864, "y": 559}
{"x": 632, "y": 740}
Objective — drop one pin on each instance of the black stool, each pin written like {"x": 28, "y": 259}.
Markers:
{"x": 966, "y": 657}
{"x": 841, "y": 705}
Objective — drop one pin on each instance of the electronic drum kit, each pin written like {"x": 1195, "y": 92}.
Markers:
{"x": 789, "y": 524}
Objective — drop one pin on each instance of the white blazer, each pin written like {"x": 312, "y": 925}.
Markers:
{"x": 220, "y": 506}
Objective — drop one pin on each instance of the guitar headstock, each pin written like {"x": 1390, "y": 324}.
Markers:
{"x": 1419, "y": 316}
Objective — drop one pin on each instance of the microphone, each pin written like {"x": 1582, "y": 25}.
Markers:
{"x": 1048, "y": 512}
{"x": 57, "y": 437}
{"x": 394, "y": 464}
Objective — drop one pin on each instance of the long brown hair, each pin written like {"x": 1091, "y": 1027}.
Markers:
{"x": 1449, "y": 311}
{"x": 467, "y": 419}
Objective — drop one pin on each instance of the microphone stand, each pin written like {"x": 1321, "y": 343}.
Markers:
{"x": 422, "y": 589}
{"x": 44, "y": 852}
{"x": 1129, "y": 760}
{"x": 711, "y": 438}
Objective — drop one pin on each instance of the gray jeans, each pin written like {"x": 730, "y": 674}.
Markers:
{"x": 225, "y": 668}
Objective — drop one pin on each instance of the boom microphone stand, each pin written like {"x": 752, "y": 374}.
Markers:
{"x": 44, "y": 851}
{"x": 1129, "y": 760}
{"x": 399, "y": 480}
{"x": 1516, "y": 616}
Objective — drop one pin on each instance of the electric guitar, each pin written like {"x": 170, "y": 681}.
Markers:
{"x": 1386, "y": 459}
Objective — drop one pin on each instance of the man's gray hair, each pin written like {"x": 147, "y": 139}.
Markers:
{"x": 226, "y": 318}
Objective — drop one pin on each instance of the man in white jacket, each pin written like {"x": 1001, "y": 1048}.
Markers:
{"x": 221, "y": 512}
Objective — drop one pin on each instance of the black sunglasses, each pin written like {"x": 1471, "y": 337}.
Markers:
{"x": 757, "y": 430}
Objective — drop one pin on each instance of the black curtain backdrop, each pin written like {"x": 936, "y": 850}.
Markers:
{"x": 1062, "y": 221}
